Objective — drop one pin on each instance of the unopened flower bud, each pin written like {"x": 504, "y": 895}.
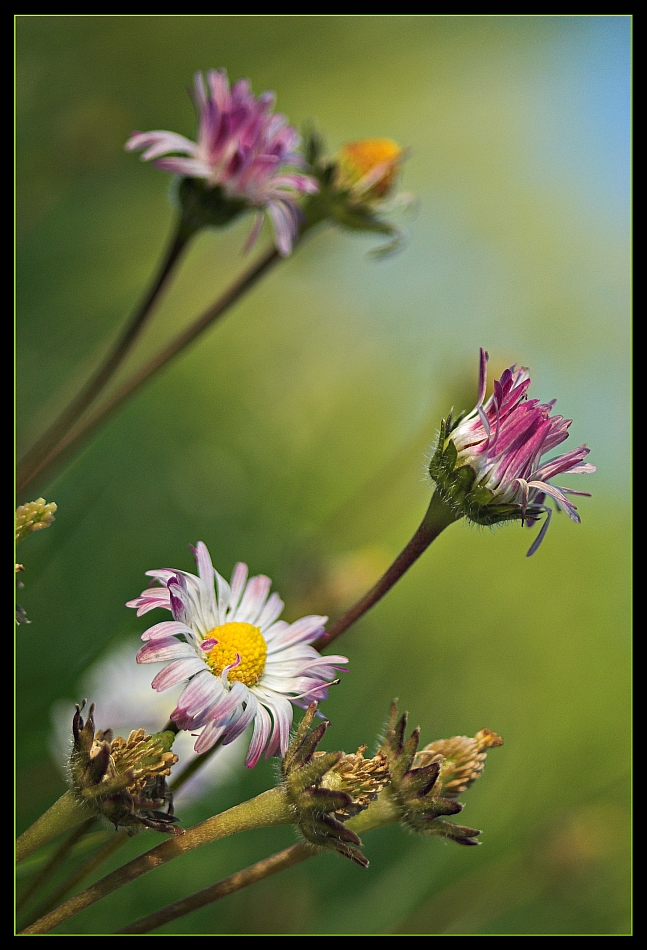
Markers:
{"x": 356, "y": 186}
{"x": 123, "y": 780}
{"x": 32, "y": 517}
{"x": 367, "y": 169}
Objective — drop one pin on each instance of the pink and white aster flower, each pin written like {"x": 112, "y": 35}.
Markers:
{"x": 241, "y": 662}
{"x": 243, "y": 147}
{"x": 489, "y": 463}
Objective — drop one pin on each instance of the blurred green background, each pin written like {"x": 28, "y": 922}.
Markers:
{"x": 293, "y": 436}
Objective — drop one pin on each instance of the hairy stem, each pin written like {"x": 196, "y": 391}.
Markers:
{"x": 47, "y": 446}
{"x": 103, "y": 852}
{"x": 437, "y": 518}
{"x": 52, "y": 864}
{"x": 63, "y": 815}
{"x": 256, "y": 872}
{"x": 269, "y": 808}
{"x": 378, "y": 813}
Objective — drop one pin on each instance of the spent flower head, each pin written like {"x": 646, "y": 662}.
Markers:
{"x": 123, "y": 780}
{"x": 424, "y": 785}
{"x": 461, "y": 760}
{"x": 325, "y": 789}
{"x": 245, "y": 158}
{"x": 241, "y": 662}
{"x": 488, "y": 465}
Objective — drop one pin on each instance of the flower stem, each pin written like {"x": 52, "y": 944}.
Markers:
{"x": 256, "y": 872}
{"x": 378, "y": 813}
{"x": 103, "y": 852}
{"x": 269, "y": 808}
{"x": 438, "y": 517}
{"x": 63, "y": 815}
{"x": 59, "y": 855}
{"x": 48, "y": 443}
{"x": 75, "y": 438}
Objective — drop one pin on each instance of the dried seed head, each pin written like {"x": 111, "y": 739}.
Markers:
{"x": 461, "y": 760}
{"x": 123, "y": 780}
{"x": 326, "y": 788}
{"x": 424, "y": 784}
{"x": 362, "y": 779}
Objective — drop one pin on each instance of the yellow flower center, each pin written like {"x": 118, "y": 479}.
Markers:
{"x": 241, "y": 644}
{"x": 358, "y": 159}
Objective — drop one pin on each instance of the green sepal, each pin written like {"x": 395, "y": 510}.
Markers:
{"x": 331, "y": 202}
{"x": 433, "y": 807}
{"x": 457, "y": 488}
{"x": 323, "y": 800}
{"x": 458, "y": 833}
{"x": 310, "y": 774}
{"x": 421, "y": 781}
{"x": 300, "y": 752}
{"x": 313, "y": 144}
{"x": 312, "y": 804}
{"x": 98, "y": 765}
{"x": 206, "y": 207}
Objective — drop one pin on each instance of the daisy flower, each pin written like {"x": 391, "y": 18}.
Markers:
{"x": 243, "y": 147}
{"x": 241, "y": 662}
{"x": 503, "y": 441}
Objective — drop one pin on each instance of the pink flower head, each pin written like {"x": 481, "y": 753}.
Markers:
{"x": 240, "y": 661}
{"x": 503, "y": 442}
{"x": 243, "y": 147}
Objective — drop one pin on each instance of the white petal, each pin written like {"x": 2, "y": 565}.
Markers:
{"x": 167, "y": 628}
{"x": 262, "y": 726}
{"x": 156, "y": 651}
{"x": 271, "y": 611}
{"x": 253, "y": 599}
{"x": 175, "y": 672}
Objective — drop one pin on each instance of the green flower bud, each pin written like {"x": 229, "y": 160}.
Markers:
{"x": 32, "y": 517}
{"x": 355, "y": 185}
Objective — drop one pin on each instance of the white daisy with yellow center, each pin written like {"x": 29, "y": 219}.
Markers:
{"x": 242, "y": 663}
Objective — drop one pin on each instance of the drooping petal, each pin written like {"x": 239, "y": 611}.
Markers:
{"x": 150, "y": 599}
{"x": 159, "y": 143}
{"x": 281, "y": 710}
{"x": 262, "y": 726}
